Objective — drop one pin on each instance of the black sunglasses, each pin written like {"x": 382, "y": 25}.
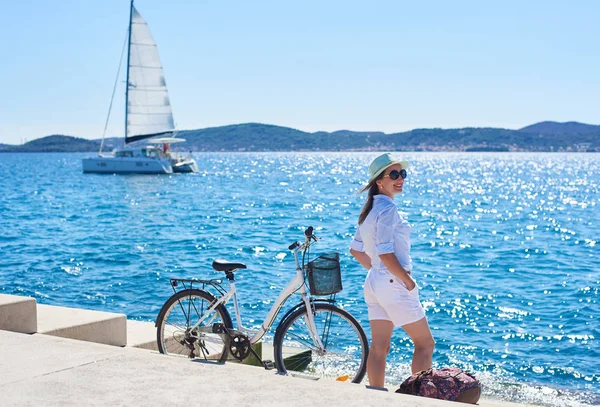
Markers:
{"x": 395, "y": 174}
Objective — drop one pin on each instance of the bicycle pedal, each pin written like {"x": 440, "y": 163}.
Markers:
{"x": 268, "y": 364}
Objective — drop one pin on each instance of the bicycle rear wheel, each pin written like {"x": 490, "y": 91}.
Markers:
{"x": 175, "y": 334}
{"x": 344, "y": 356}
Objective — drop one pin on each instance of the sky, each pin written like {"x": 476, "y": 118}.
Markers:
{"x": 312, "y": 65}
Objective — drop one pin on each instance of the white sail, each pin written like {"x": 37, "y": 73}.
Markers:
{"x": 147, "y": 112}
{"x": 148, "y": 106}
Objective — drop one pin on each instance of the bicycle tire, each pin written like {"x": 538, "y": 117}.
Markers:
{"x": 174, "y": 336}
{"x": 292, "y": 345}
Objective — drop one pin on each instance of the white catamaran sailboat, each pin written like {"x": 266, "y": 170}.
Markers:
{"x": 149, "y": 125}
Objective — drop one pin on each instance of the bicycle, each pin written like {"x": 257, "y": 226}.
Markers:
{"x": 314, "y": 339}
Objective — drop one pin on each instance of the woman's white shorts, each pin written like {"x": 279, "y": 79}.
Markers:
{"x": 388, "y": 299}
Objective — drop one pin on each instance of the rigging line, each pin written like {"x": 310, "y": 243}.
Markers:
{"x": 113, "y": 92}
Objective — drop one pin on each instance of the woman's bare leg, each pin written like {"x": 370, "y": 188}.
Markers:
{"x": 421, "y": 336}
{"x": 381, "y": 331}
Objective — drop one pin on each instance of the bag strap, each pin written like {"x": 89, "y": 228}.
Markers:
{"x": 418, "y": 378}
{"x": 464, "y": 372}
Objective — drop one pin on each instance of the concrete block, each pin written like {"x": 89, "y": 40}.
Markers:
{"x": 18, "y": 314}
{"x": 141, "y": 335}
{"x": 85, "y": 325}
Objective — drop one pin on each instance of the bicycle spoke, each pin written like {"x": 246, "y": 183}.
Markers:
{"x": 307, "y": 340}
{"x": 178, "y": 335}
{"x": 344, "y": 350}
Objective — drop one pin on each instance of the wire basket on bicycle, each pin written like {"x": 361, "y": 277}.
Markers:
{"x": 324, "y": 276}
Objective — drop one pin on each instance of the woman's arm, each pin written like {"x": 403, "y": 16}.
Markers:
{"x": 386, "y": 223}
{"x": 362, "y": 257}
{"x": 393, "y": 265}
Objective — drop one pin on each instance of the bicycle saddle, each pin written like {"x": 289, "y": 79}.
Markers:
{"x": 224, "y": 265}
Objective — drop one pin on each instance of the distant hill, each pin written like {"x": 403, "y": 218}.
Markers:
{"x": 561, "y": 128}
{"x": 545, "y": 136}
{"x": 261, "y": 137}
{"x": 244, "y": 137}
{"x": 55, "y": 143}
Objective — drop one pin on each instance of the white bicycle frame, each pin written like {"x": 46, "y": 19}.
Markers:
{"x": 295, "y": 285}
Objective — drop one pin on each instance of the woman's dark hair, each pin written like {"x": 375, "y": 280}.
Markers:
{"x": 373, "y": 190}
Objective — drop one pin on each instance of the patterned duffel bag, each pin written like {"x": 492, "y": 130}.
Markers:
{"x": 449, "y": 383}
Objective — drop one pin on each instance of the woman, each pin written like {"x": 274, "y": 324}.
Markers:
{"x": 382, "y": 246}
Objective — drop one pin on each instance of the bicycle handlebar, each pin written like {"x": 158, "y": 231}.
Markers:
{"x": 309, "y": 232}
{"x": 309, "y": 235}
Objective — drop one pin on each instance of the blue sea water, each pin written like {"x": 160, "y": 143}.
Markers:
{"x": 505, "y": 248}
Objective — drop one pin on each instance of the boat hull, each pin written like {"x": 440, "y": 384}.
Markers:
{"x": 186, "y": 166}
{"x": 127, "y": 165}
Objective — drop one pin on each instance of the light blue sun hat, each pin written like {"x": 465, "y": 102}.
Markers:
{"x": 380, "y": 164}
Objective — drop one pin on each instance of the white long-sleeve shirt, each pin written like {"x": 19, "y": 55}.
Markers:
{"x": 384, "y": 231}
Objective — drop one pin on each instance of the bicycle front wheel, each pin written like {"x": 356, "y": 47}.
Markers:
{"x": 345, "y": 348}
{"x": 176, "y": 332}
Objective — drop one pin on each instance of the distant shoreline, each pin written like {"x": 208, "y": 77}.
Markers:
{"x": 257, "y": 137}
{"x": 323, "y": 151}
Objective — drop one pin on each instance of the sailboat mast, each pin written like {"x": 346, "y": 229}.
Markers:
{"x": 127, "y": 80}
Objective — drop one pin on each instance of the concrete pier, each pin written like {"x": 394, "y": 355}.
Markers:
{"x": 52, "y": 370}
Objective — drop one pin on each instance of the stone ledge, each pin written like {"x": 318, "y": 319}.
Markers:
{"x": 141, "y": 335}
{"x": 18, "y": 314}
{"x": 85, "y": 325}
